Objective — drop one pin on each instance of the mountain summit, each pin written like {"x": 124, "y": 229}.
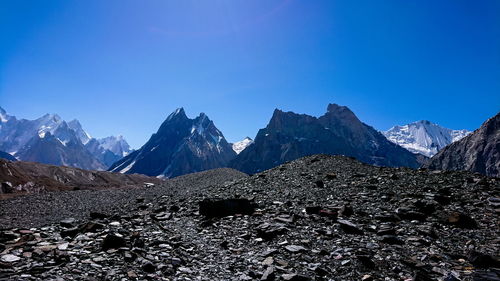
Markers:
{"x": 424, "y": 137}
{"x": 289, "y": 136}
{"x": 180, "y": 146}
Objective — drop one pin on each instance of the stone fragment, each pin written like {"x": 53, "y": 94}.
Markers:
{"x": 69, "y": 222}
{"x": 482, "y": 260}
{"x": 113, "y": 241}
{"x": 10, "y": 258}
{"x": 226, "y": 207}
{"x": 392, "y": 239}
{"x": 295, "y": 277}
{"x": 148, "y": 267}
{"x": 349, "y": 227}
{"x": 268, "y": 275}
{"x": 460, "y": 220}
{"x": 295, "y": 248}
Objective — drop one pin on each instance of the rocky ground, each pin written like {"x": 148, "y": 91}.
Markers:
{"x": 316, "y": 218}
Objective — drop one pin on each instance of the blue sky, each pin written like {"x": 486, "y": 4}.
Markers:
{"x": 122, "y": 66}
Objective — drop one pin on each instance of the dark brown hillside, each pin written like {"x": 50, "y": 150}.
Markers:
{"x": 28, "y": 177}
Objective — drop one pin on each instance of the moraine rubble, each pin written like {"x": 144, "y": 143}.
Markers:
{"x": 315, "y": 218}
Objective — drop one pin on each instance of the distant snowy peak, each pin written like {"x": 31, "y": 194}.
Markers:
{"x": 116, "y": 144}
{"x": 424, "y": 137}
{"x": 80, "y": 133}
{"x": 239, "y": 146}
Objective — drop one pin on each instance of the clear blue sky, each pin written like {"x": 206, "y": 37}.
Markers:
{"x": 121, "y": 67}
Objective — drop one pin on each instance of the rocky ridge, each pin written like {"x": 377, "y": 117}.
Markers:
{"x": 289, "y": 136}
{"x": 315, "y": 218}
{"x": 478, "y": 152}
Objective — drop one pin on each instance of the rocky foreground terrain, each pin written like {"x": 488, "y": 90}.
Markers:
{"x": 316, "y": 218}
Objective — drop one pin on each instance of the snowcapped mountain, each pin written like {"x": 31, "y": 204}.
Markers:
{"x": 51, "y": 140}
{"x": 424, "y": 137}
{"x": 116, "y": 144}
{"x": 14, "y": 133}
{"x": 109, "y": 150}
{"x": 239, "y": 146}
{"x": 180, "y": 146}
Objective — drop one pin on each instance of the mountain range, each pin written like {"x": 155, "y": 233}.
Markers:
{"x": 51, "y": 140}
{"x": 183, "y": 145}
{"x": 424, "y": 137}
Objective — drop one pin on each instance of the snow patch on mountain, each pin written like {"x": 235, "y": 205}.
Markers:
{"x": 424, "y": 137}
{"x": 239, "y": 146}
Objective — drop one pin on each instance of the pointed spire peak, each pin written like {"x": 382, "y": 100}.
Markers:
{"x": 276, "y": 113}
{"x": 178, "y": 113}
{"x": 4, "y": 117}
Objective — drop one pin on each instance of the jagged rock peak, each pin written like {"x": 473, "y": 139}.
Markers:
{"x": 180, "y": 146}
{"x": 179, "y": 113}
{"x": 341, "y": 112}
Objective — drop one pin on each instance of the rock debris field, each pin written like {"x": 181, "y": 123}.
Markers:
{"x": 316, "y": 218}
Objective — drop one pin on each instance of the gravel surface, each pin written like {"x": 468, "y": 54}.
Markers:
{"x": 316, "y": 218}
{"x": 37, "y": 210}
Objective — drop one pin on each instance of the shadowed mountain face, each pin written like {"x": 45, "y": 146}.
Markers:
{"x": 51, "y": 150}
{"x": 289, "y": 136}
{"x": 478, "y": 152}
{"x": 180, "y": 146}
{"x": 7, "y": 156}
